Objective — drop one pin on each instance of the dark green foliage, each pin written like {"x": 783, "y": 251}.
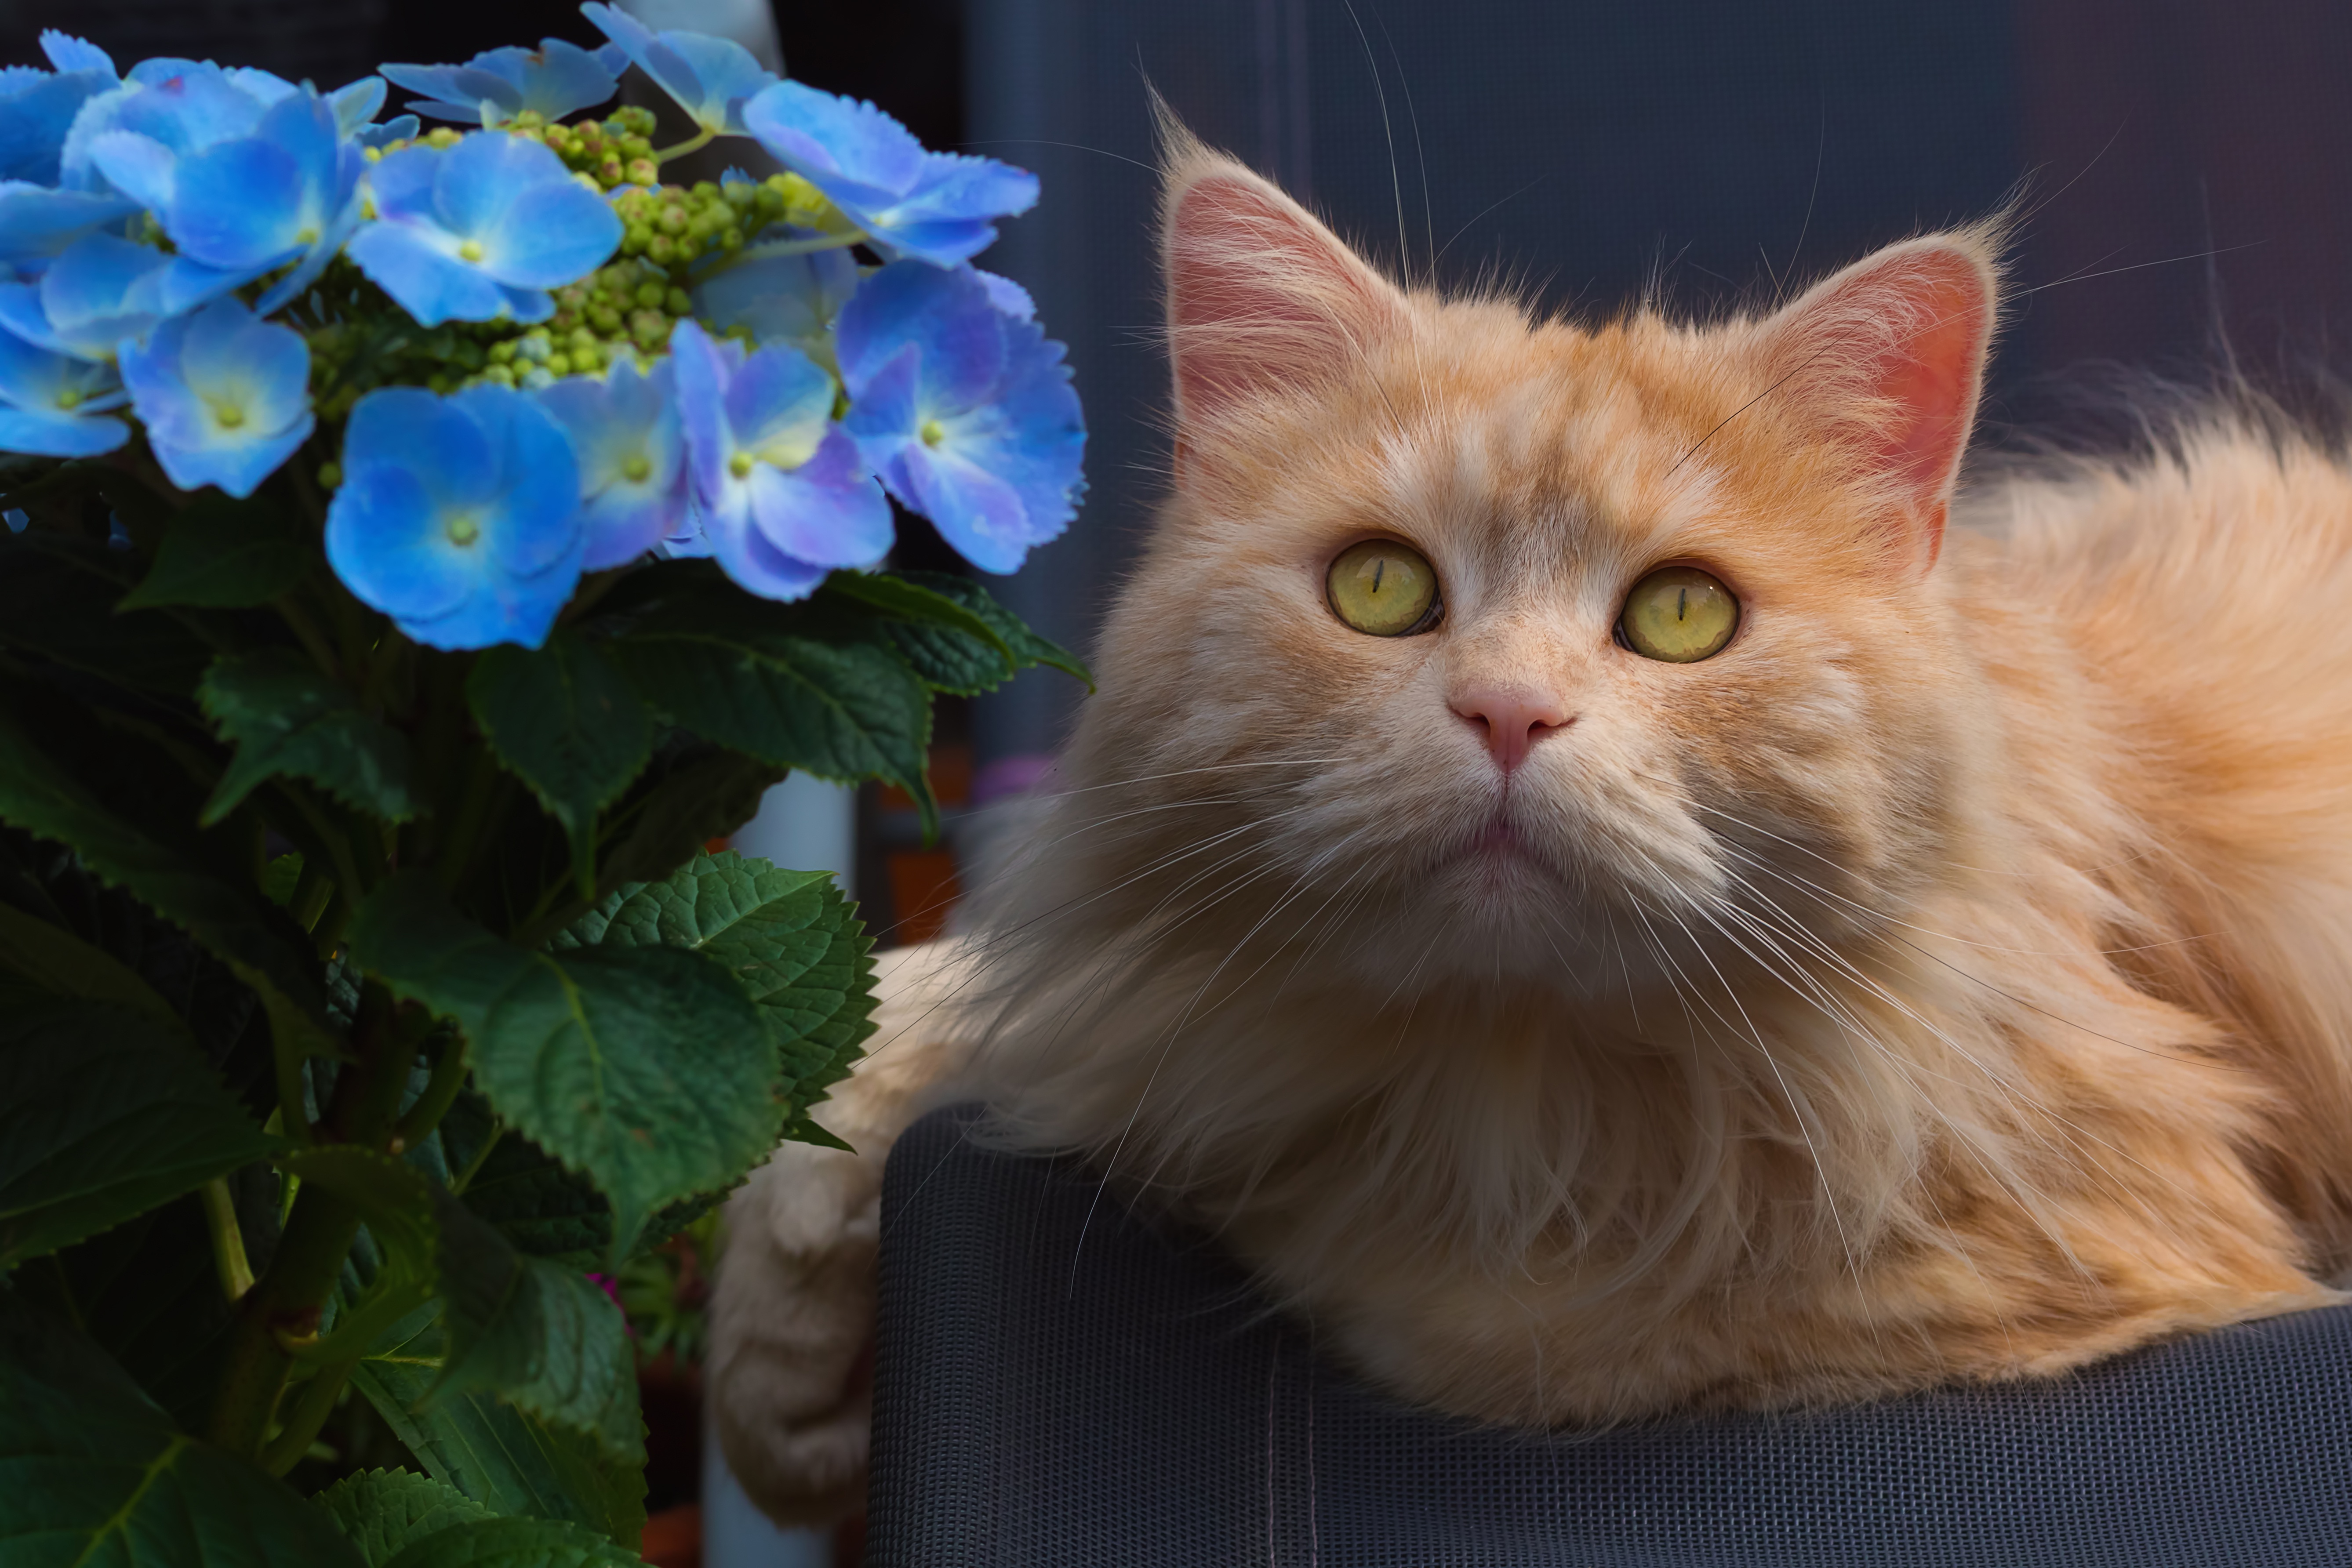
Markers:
{"x": 224, "y": 554}
{"x": 285, "y": 717}
{"x": 355, "y": 998}
{"x": 92, "y": 1471}
{"x": 104, "y": 1113}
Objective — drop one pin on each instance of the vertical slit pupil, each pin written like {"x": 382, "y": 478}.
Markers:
{"x": 1379, "y": 567}
{"x": 1682, "y": 604}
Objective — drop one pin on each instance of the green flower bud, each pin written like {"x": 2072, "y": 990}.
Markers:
{"x": 662, "y": 250}
{"x": 503, "y": 375}
{"x": 329, "y": 476}
{"x": 678, "y": 302}
{"x": 644, "y": 170}
{"x": 559, "y": 364}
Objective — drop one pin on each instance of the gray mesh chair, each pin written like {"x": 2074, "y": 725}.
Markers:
{"x": 1060, "y": 1383}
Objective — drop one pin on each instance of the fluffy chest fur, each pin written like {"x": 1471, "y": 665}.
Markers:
{"x": 1946, "y": 978}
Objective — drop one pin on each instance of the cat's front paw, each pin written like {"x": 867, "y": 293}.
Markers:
{"x": 790, "y": 1368}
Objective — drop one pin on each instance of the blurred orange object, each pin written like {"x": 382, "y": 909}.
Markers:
{"x": 673, "y": 1537}
{"x": 923, "y": 890}
{"x": 951, "y": 772}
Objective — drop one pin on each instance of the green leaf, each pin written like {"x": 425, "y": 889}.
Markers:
{"x": 515, "y": 1543}
{"x": 38, "y": 796}
{"x": 697, "y": 799}
{"x": 57, "y": 596}
{"x": 789, "y": 935}
{"x": 103, "y": 1115}
{"x": 537, "y": 1335}
{"x": 507, "y": 1459}
{"x": 381, "y": 1511}
{"x": 562, "y": 719}
{"x": 92, "y": 1472}
{"x": 1025, "y": 646}
{"x": 901, "y": 599}
{"x": 223, "y": 553}
{"x": 826, "y": 694}
{"x": 645, "y": 1069}
{"x": 284, "y": 717}
{"x": 55, "y": 959}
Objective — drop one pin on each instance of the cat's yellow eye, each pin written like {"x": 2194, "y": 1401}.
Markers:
{"x": 1383, "y": 588}
{"x": 1679, "y": 614}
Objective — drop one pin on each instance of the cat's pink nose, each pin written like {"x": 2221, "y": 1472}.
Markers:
{"x": 1510, "y": 720}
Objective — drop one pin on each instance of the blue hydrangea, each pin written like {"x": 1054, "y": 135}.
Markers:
{"x": 709, "y": 78}
{"x": 457, "y": 516}
{"x": 940, "y": 207}
{"x": 245, "y": 206}
{"x": 101, "y": 290}
{"x": 223, "y": 394}
{"x": 966, "y": 411}
{"x": 554, "y": 80}
{"x": 53, "y": 406}
{"x": 779, "y": 299}
{"x": 626, "y": 433}
{"x": 783, "y": 499}
{"x": 186, "y": 106}
{"x": 38, "y": 107}
{"x": 481, "y": 231}
{"x": 36, "y": 223}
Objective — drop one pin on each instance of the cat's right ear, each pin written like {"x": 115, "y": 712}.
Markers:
{"x": 1262, "y": 299}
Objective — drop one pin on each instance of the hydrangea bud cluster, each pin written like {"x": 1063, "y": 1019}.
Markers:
{"x": 509, "y": 350}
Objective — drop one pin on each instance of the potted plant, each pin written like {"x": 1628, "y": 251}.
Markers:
{"x": 420, "y": 543}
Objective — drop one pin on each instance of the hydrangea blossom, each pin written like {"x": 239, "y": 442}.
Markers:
{"x": 52, "y": 405}
{"x": 709, "y": 78}
{"x": 459, "y": 516}
{"x": 782, "y": 495}
{"x": 244, "y": 206}
{"x": 625, "y": 433}
{"x": 937, "y": 206}
{"x": 223, "y": 394}
{"x": 781, "y": 298}
{"x": 38, "y": 107}
{"x": 186, "y": 106}
{"x": 101, "y": 291}
{"x": 481, "y": 231}
{"x": 965, "y": 412}
{"x": 555, "y": 79}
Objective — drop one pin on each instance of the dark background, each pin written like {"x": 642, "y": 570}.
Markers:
{"x": 2186, "y": 165}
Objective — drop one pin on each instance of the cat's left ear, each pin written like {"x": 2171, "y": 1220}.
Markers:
{"x": 1885, "y": 359}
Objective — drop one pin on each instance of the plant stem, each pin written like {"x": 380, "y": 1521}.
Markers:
{"x": 784, "y": 247}
{"x": 317, "y": 1237}
{"x": 465, "y": 1179}
{"x": 311, "y": 1408}
{"x": 228, "y": 1239}
{"x": 694, "y": 143}
{"x": 440, "y": 1090}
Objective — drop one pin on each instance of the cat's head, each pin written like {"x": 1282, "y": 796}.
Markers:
{"x": 1470, "y": 644}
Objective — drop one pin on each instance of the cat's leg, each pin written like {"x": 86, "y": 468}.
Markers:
{"x": 790, "y": 1373}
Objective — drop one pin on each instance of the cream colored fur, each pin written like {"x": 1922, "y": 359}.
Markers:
{"x": 1951, "y": 979}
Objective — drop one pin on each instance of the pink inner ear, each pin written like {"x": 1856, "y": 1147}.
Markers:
{"x": 1931, "y": 377}
{"x": 1260, "y": 296}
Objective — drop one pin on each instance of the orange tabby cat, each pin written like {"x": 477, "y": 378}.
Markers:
{"x": 1612, "y": 905}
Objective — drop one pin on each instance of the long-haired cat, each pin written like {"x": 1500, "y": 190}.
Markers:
{"x": 1615, "y": 892}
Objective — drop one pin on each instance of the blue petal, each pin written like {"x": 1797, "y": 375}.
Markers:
{"x": 885, "y": 418}
{"x": 835, "y": 141}
{"x": 827, "y": 512}
{"x": 101, "y": 291}
{"x": 68, "y": 53}
{"x": 781, "y": 298}
{"x": 746, "y": 556}
{"x": 227, "y": 354}
{"x": 612, "y": 420}
{"x": 779, "y": 405}
{"x": 59, "y": 436}
{"x": 709, "y": 78}
{"x": 238, "y": 470}
{"x": 942, "y": 244}
{"x": 1007, "y": 296}
{"x": 560, "y": 78}
{"x": 401, "y": 183}
{"x": 184, "y": 105}
{"x": 476, "y": 180}
{"x": 141, "y": 167}
{"x": 549, "y": 235}
{"x": 386, "y": 542}
{"x": 36, "y": 223}
{"x": 399, "y": 128}
{"x": 407, "y": 426}
{"x": 975, "y": 511}
{"x": 428, "y": 284}
{"x": 456, "y": 92}
{"x": 537, "y": 527}
{"x": 953, "y": 185}
{"x": 35, "y": 379}
{"x": 947, "y": 314}
{"x": 35, "y": 116}
{"x": 237, "y": 205}
{"x": 702, "y": 374}
{"x": 356, "y": 103}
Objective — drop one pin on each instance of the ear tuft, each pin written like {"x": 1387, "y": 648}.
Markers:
{"x": 1262, "y": 299}
{"x": 1886, "y": 359}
